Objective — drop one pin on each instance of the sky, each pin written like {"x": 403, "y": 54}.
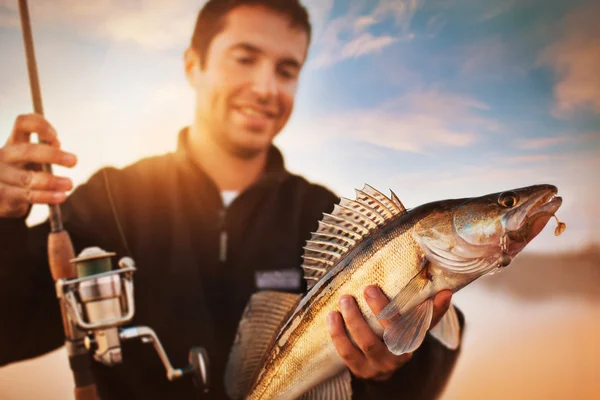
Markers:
{"x": 432, "y": 99}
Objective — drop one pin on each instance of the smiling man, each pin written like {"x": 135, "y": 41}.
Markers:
{"x": 208, "y": 225}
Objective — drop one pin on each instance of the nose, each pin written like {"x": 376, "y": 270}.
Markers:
{"x": 264, "y": 84}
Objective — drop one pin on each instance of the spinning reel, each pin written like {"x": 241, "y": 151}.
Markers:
{"x": 100, "y": 301}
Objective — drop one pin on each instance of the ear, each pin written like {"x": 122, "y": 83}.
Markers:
{"x": 192, "y": 66}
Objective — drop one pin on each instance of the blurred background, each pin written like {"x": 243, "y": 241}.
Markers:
{"x": 434, "y": 99}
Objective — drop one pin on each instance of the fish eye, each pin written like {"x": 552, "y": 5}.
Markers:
{"x": 508, "y": 199}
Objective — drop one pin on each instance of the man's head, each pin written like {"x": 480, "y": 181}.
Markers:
{"x": 244, "y": 62}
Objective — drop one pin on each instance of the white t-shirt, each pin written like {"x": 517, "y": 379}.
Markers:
{"x": 228, "y": 196}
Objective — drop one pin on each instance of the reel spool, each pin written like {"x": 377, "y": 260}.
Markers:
{"x": 100, "y": 301}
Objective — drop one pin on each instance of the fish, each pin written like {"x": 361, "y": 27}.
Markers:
{"x": 282, "y": 348}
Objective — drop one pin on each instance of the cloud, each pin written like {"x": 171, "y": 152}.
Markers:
{"x": 448, "y": 109}
{"x": 348, "y": 36}
{"x": 491, "y": 57}
{"x": 364, "y": 22}
{"x": 435, "y": 25}
{"x": 575, "y": 58}
{"x": 151, "y": 24}
{"x": 417, "y": 122}
{"x": 333, "y": 49}
{"x": 541, "y": 143}
{"x": 159, "y": 26}
{"x": 528, "y": 158}
{"x": 497, "y": 9}
{"x": 401, "y": 10}
{"x": 415, "y": 133}
{"x": 365, "y": 44}
{"x": 318, "y": 12}
{"x": 9, "y": 19}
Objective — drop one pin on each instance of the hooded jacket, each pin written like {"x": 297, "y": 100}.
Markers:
{"x": 197, "y": 265}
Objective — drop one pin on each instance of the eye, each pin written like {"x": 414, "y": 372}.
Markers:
{"x": 287, "y": 73}
{"x": 245, "y": 60}
{"x": 508, "y": 199}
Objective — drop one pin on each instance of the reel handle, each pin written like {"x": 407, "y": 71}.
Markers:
{"x": 199, "y": 368}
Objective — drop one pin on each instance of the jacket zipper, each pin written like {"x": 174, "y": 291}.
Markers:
{"x": 222, "y": 236}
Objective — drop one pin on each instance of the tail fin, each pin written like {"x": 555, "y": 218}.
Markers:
{"x": 265, "y": 314}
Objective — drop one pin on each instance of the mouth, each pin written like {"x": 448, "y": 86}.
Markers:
{"x": 533, "y": 216}
{"x": 547, "y": 203}
{"x": 256, "y": 112}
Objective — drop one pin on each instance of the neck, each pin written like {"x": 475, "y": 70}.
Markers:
{"x": 228, "y": 171}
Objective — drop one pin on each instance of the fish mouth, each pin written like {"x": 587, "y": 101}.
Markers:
{"x": 532, "y": 217}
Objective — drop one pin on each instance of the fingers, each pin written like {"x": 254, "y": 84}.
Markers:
{"x": 36, "y": 153}
{"x": 377, "y": 301}
{"x": 20, "y": 187}
{"x": 367, "y": 357}
{"x": 28, "y": 179}
{"x": 441, "y": 303}
{"x": 351, "y": 355}
{"x": 15, "y": 201}
{"x": 365, "y": 338}
{"x": 27, "y": 124}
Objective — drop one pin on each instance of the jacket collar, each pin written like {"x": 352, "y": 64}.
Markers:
{"x": 275, "y": 171}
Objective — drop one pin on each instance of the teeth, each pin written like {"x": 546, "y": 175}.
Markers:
{"x": 251, "y": 112}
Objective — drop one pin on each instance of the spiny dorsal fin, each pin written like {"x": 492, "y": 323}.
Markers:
{"x": 349, "y": 223}
{"x": 265, "y": 314}
{"x": 397, "y": 202}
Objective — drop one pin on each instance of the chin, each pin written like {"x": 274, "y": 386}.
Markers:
{"x": 250, "y": 150}
{"x": 252, "y": 143}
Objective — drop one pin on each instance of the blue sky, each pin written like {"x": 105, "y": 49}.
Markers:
{"x": 433, "y": 99}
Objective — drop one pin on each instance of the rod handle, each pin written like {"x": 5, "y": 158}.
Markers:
{"x": 60, "y": 254}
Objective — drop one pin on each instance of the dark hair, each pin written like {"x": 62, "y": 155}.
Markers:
{"x": 211, "y": 19}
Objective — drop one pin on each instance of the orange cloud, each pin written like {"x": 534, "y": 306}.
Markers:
{"x": 576, "y": 60}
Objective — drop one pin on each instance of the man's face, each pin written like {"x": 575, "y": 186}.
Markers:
{"x": 245, "y": 93}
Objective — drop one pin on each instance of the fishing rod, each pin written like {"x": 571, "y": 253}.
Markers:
{"x": 95, "y": 300}
{"x": 60, "y": 248}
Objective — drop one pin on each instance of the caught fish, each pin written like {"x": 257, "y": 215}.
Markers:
{"x": 283, "y": 349}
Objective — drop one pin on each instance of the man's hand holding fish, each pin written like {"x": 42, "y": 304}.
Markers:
{"x": 368, "y": 357}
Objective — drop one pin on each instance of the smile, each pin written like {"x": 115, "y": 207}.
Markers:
{"x": 255, "y": 113}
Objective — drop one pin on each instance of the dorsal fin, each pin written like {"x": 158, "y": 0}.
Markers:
{"x": 349, "y": 223}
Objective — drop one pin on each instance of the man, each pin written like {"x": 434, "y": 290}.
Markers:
{"x": 205, "y": 224}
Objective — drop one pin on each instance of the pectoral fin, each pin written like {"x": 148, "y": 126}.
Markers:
{"x": 405, "y": 333}
{"x": 447, "y": 331}
{"x": 411, "y": 290}
{"x": 338, "y": 387}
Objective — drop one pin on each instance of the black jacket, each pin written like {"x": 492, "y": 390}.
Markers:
{"x": 197, "y": 264}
